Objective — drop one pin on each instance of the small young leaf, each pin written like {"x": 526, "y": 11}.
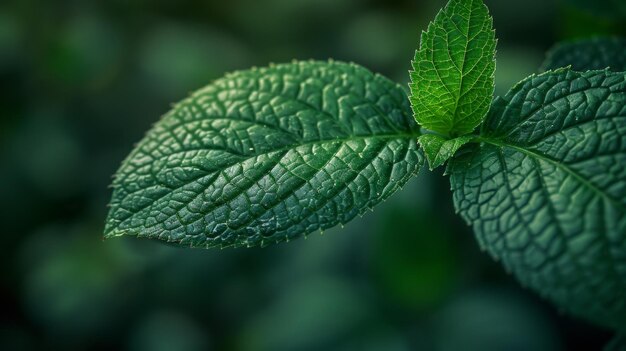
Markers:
{"x": 452, "y": 80}
{"x": 545, "y": 190}
{"x": 588, "y": 54}
{"x": 266, "y": 155}
{"x": 439, "y": 149}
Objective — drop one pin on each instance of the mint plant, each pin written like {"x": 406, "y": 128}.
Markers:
{"x": 271, "y": 154}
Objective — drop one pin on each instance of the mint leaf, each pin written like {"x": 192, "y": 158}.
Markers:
{"x": 439, "y": 149}
{"x": 588, "y": 54}
{"x": 452, "y": 80}
{"x": 545, "y": 190}
{"x": 267, "y": 155}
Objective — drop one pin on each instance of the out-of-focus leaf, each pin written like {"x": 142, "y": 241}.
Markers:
{"x": 414, "y": 258}
{"x": 51, "y": 169}
{"x": 315, "y": 314}
{"x": 10, "y": 38}
{"x": 86, "y": 53}
{"x": 496, "y": 319}
{"x": 588, "y": 54}
{"x": 165, "y": 331}
{"x": 176, "y": 58}
{"x": 71, "y": 283}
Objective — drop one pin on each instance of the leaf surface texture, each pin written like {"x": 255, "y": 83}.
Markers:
{"x": 545, "y": 190}
{"x": 266, "y": 155}
{"x": 452, "y": 81}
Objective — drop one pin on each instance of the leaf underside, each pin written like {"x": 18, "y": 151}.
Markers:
{"x": 452, "y": 81}
{"x": 545, "y": 190}
{"x": 588, "y": 54}
{"x": 265, "y": 155}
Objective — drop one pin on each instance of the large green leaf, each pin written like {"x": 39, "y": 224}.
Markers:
{"x": 588, "y": 54}
{"x": 266, "y": 155}
{"x": 452, "y": 80}
{"x": 545, "y": 189}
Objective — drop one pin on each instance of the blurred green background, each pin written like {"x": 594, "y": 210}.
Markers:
{"x": 81, "y": 81}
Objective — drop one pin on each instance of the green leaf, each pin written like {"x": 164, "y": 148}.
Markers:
{"x": 588, "y": 54}
{"x": 267, "y": 155}
{"x": 439, "y": 149}
{"x": 452, "y": 80}
{"x": 545, "y": 190}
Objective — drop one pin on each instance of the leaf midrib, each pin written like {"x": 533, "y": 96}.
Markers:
{"x": 462, "y": 69}
{"x": 283, "y": 149}
{"x": 245, "y": 157}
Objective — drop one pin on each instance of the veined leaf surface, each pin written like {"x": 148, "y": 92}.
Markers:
{"x": 266, "y": 155}
{"x": 452, "y": 81}
{"x": 545, "y": 190}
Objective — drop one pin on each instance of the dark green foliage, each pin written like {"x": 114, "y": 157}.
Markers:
{"x": 617, "y": 344}
{"x": 267, "y": 155}
{"x": 270, "y": 154}
{"x": 545, "y": 190}
{"x": 604, "y": 8}
{"x": 588, "y": 54}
